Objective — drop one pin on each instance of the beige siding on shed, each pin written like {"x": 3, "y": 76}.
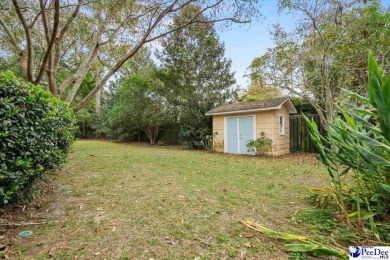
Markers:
{"x": 218, "y": 130}
{"x": 281, "y": 143}
{"x": 266, "y": 121}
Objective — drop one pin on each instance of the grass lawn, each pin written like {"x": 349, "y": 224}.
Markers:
{"x": 127, "y": 201}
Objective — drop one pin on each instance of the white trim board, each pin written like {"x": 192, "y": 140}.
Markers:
{"x": 225, "y": 135}
{"x": 282, "y": 133}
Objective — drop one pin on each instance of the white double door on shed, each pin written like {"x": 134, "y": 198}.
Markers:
{"x": 238, "y": 131}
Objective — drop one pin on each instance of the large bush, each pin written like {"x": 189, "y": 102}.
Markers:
{"x": 135, "y": 106}
{"x": 36, "y": 132}
{"x": 194, "y": 127}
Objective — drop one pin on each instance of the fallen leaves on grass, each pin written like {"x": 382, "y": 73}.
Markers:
{"x": 248, "y": 245}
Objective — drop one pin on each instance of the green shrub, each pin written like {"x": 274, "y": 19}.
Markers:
{"x": 261, "y": 145}
{"x": 194, "y": 127}
{"x": 36, "y": 132}
{"x": 322, "y": 220}
{"x": 135, "y": 106}
{"x": 208, "y": 142}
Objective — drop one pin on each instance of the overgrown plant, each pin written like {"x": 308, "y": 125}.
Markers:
{"x": 261, "y": 145}
{"x": 305, "y": 244}
{"x": 36, "y": 133}
{"x": 136, "y": 106}
{"x": 208, "y": 142}
{"x": 356, "y": 151}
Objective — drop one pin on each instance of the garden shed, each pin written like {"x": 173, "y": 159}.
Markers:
{"x": 236, "y": 124}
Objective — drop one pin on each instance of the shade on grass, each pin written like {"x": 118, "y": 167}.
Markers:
{"x": 137, "y": 201}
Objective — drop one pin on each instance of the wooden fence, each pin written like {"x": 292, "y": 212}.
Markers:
{"x": 299, "y": 134}
{"x": 168, "y": 134}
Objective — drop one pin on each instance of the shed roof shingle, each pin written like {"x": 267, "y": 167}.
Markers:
{"x": 265, "y": 104}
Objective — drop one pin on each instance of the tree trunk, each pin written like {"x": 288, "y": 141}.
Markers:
{"x": 81, "y": 73}
{"x": 83, "y": 129}
{"x": 97, "y": 102}
{"x": 152, "y": 133}
{"x": 97, "y": 95}
{"x": 323, "y": 116}
{"x": 22, "y": 59}
{"x": 50, "y": 72}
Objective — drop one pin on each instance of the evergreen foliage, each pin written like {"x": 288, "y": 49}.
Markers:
{"x": 36, "y": 133}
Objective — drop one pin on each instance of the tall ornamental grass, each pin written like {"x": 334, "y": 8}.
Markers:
{"x": 356, "y": 152}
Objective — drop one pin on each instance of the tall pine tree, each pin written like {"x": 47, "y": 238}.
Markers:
{"x": 197, "y": 76}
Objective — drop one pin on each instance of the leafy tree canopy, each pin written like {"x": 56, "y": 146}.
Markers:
{"x": 258, "y": 91}
{"x": 47, "y": 38}
{"x": 196, "y": 74}
{"x": 326, "y": 52}
{"x": 136, "y": 106}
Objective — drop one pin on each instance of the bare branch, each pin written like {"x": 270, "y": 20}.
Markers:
{"x": 45, "y": 22}
{"x": 58, "y": 40}
{"x": 69, "y": 21}
{"x": 35, "y": 19}
{"x": 182, "y": 5}
{"x": 65, "y": 51}
{"x": 102, "y": 62}
{"x": 11, "y": 36}
{"x": 118, "y": 65}
{"x": 52, "y": 40}
{"x": 84, "y": 67}
{"x": 27, "y": 32}
{"x": 194, "y": 21}
{"x": 80, "y": 77}
{"x": 145, "y": 39}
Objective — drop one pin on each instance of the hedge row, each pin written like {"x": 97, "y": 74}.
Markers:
{"x": 36, "y": 133}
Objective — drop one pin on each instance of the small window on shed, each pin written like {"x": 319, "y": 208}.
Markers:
{"x": 281, "y": 125}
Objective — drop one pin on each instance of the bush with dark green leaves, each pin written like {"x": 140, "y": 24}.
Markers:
{"x": 194, "y": 127}
{"x": 36, "y": 133}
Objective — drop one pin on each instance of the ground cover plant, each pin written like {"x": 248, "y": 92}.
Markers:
{"x": 138, "y": 201}
{"x": 36, "y": 132}
{"x": 261, "y": 145}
